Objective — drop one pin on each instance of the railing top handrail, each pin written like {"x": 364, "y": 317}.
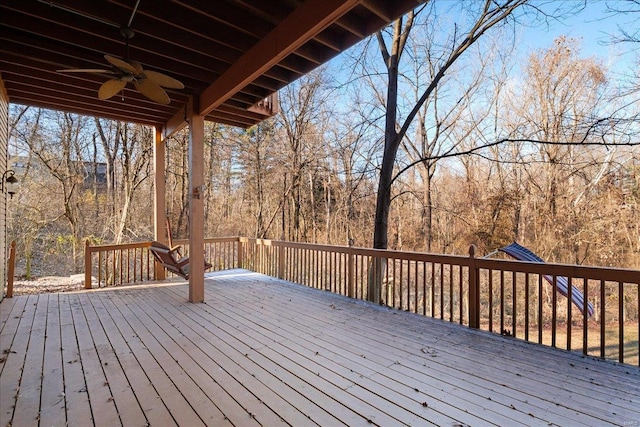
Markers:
{"x": 147, "y": 243}
{"x": 120, "y": 246}
{"x": 358, "y": 251}
{"x": 557, "y": 269}
{"x": 209, "y": 240}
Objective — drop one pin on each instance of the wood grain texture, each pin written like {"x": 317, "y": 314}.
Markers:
{"x": 262, "y": 351}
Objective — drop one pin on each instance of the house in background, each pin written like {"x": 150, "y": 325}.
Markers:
{"x": 91, "y": 173}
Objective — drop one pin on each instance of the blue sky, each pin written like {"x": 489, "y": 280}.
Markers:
{"x": 595, "y": 27}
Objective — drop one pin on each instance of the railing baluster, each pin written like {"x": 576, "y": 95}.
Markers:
{"x": 621, "y": 322}
{"x": 135, "y": 264}
{"x": 401, "y": 290}
{"x": 386, "y": 264}
{"x": 341, "y": 288}
{"x": 99, "y": 269}
{"x": 490, "y": 300}
{"x": 114, "y": 269}
{"x": 540, "y": 318}
{"x": 338, "y": 263}
{"x": 308, "y": 267}
{"x": 294, "y": 257}
{"x": 88, "y": 257}
{"x": 415, "y": 297}
{"x": 526, "y": 307}
{"x": 460, "y": 295}
{"x": 502, "y": 329}
{"x": 357, "y": 272}
{"x": 441, "y": 291}
{"x": 451, "y": 299}
{"x": 303, "y": 260}
{"x": 569, "y": 317}
{"x": 585, "y": 316}
{"x": 554, "y": 300}
{"x": 514, "y": 304}
{"x": 424, "y": 288}
{"x": 315, "y": 269}
{"x": 328, "y": 272}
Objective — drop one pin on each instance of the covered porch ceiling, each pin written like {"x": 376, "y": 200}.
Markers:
{"x": 230, "y": 54}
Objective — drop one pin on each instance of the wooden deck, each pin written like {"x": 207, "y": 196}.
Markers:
{"x": 261, "y": 351}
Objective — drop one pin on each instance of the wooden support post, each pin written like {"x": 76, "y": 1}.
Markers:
{"x": 11, "y": 268}
{"x": 87, "y": 265}
{"x": 474, "y": 290}
{"x": 196, "y": 205}
{"x": 351, "y": 275}
{"x": 159, "y": 202}
{"x": 374, "y": 281}
{"x": 241, "y": 248}
{"x": 281, "y": 260}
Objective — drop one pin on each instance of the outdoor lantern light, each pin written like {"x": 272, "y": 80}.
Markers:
{"x": 9, "y": 183}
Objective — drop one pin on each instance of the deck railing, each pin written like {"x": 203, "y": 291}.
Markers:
{"x": 113, "y": 265}
{"x": 508, "y": 297}
{"x": 11, "y": 268}
{"x": 222, "y": 253}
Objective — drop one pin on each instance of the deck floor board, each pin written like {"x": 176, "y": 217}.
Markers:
{"x": 27, "y": 406}
{"x": 14, "y": 352}
{"x": 262, "y": 351}
{"x": 52, "y": 404}
{"x": 162, "y": 348}
{"x": 387, "y": 350}
{"x": 150, "y": 402}
{"x": 181, "y": 412}
{"x": 454, "y": 400}
{"x": 103, "y": 409}
{"x": 78, "y": 407}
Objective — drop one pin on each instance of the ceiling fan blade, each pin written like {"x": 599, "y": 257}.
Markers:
{"x": 119, "y": 63}
{"x": 110, "y": 88}
{"x": 163, "y": 80}
{"x": 152, "y": 91}
{"x": 137, "y": 67}
{"x": 84, "y": 70}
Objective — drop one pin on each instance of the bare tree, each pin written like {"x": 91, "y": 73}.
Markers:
{"x": 256, "y": 157}
{"x": 490, "y": 14}
{"x": 58, "y": 141}
{"x": 301, "y": 120}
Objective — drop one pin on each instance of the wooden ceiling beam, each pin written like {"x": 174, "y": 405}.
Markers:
{"x": 179, "y": 43}
{"x": 67, "y": 86}
{"x": 230, "y": 54}
{"x": 295, "y": 30}
{"x": 79, "y": 107}
{"x": 176, "y": 123}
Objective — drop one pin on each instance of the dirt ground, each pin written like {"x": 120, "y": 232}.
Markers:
{"x": 49, "y": 284}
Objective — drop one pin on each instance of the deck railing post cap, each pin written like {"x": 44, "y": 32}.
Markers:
{"x": 472, "y": 251}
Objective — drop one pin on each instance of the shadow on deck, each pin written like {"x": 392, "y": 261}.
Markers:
{"x": 262, "y": 351}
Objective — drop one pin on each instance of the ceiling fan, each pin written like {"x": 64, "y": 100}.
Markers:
{"x": 149, "y": 83}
